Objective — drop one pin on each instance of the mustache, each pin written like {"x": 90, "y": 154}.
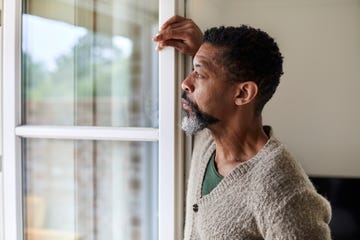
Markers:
{"x": 203, "y": 117}
{"x": 193, "y": 105}
{"x": 185, "y": 96}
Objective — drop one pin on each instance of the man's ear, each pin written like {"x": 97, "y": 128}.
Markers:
{"x": 245, "y": 92}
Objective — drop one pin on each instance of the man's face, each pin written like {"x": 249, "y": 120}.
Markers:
{"x": 207, "y": 98}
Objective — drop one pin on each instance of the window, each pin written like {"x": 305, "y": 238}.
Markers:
{"x": 92, "y": 148}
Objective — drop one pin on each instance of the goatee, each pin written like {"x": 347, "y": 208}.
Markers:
{"x": 195, "y": 120}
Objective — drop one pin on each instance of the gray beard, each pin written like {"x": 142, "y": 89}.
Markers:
{"x": 195, "y": 120}
{"x": 192, "y": 124}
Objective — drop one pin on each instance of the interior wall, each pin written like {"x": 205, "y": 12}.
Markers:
{"x": 315, "y": 111}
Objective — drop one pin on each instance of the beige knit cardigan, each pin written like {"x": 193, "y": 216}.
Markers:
{"x": 267, "y": 197}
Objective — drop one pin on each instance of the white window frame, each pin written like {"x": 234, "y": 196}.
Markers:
{"x": 168, "y": 135}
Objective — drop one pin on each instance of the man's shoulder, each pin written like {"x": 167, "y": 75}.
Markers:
{"x": 278, "y": 162}
{"x": 279, "y": 172}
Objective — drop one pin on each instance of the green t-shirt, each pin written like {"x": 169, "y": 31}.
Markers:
{"x": 211, "y": 178}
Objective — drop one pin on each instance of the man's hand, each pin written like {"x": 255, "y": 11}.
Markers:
{"x": 181, "y": 33}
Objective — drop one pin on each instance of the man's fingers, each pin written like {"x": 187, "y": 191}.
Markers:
{"x": 172, "y": 20}
{"x": 181, "y": 33}
{"x": 176, "y": 30}
{"x": 178, "y": 33}
{"x": 177, "y": 44}
{"x": 157, "y": 38}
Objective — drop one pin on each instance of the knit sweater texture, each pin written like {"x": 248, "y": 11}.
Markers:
{"x": 266, "y": 197}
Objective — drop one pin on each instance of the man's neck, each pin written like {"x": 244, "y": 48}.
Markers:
{"x": 235, "y": 145}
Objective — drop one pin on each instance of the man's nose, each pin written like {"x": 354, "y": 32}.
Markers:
{"x": 187, "y": 84}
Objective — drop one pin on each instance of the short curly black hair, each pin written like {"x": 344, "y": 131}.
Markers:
{"x": 249, "y": 54}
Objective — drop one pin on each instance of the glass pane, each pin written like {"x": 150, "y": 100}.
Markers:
{"x": 90, "y": 62}
{"x": 90, "y": 190}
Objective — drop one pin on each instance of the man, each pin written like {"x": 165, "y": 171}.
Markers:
{"x": 243, "y": 183}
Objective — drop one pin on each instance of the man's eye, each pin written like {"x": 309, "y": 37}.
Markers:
{"x": 197, "y": 75}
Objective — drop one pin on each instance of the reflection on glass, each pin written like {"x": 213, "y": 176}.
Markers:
{"x": 88, "y": 62}
{"x": 90, "y": 190}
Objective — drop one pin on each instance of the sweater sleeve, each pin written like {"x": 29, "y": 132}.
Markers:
{"x": 306, "y": 215}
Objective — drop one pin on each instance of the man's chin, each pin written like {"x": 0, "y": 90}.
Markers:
{"x": 191, "y": 125}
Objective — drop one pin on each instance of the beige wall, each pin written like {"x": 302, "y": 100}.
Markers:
{"x": 316, "y": 110}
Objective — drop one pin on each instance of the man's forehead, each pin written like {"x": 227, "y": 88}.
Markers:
{"x": 206, "y": 56}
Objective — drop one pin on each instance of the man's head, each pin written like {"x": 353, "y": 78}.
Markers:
{"x": 236, "y": 67}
